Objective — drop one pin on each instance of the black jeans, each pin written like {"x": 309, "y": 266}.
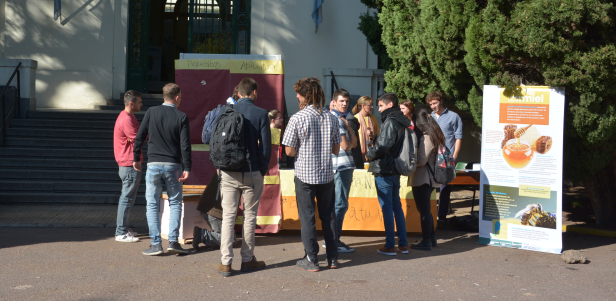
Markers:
{"x": 325, "y": 195}
{"x": 422, "y": 201}
{"x": 443, "y": 203}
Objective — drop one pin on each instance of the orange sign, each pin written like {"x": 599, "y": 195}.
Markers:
{"x": 531, "y": 106}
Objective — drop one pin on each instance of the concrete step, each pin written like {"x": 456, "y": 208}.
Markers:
{"x": 59, "y": 175}
{"x": 76, "y": 164}
{"x": 46, "y": 143}
{"x": 145, "y": 97}
{"x": 75, "y": 198}
{"x": 57, "y": 153}
{"x": 119, "y": 108}
{"x": 147, "y": 102}
{"x": 99, "y": 115}
{"x": 62, "y": 124}
{"x": 60, "y": 133}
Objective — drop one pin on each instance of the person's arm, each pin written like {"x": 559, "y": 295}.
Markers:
{"x": 384, "y": 142}
{"x": 458, "y": 135}
{"x": 424, "y": 150}
{"x": 265, "y": 147}
{"x": 348, "y": 139}
{"x": 336, "y": 149}
{"x": 141, "y": 135}
{"x": 185, "y": 148}
{"x": 290, "y": 139}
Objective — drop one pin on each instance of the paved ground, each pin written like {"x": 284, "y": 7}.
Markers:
{"x": 87, "y": 264}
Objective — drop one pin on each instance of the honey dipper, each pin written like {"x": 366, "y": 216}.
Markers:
{"x": 519, "y": 132}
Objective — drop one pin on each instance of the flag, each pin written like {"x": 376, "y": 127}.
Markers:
{"x": 317, "y": 13}
{"x": 57, "y": 9}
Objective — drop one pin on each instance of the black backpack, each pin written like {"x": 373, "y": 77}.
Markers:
{"x": 444, "y": 166}
{"x": 227, "y": 143}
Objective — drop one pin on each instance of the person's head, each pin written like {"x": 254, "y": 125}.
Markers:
{"x": 234, "y": 95}
{"x": 387, "y": 101}
{"x": 341, "y": 100}
{"x": 407, "y": 108}
{"x": 172, "y": 94}
{"x": 364, "y": 104}
{"x": 430, "y": 127}
{"x": 309, "y": 92}
{"x": 436, "y": 100}
{"x": 275, "y": 118}
{"x": 132, "y": 101}
{"x": 247, "y": 88}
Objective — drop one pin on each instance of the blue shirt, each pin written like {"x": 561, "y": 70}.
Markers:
{"x": 451, "y": 125}
{"x": 344, "y": 159}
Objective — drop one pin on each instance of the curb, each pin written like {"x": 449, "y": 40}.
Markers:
{"x": 65, "y": 225}
{"x": 591, "y": 231}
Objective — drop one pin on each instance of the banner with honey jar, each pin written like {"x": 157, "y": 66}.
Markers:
{"x": 521, "y": 168}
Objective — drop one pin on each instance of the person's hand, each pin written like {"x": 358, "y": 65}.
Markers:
{"x": 184, "y": 176}
{"x": 346, "y": 124}
{"x": 129, "y": 140}
{"x": 137, "y": 166}
{"x": 370, "y": 133}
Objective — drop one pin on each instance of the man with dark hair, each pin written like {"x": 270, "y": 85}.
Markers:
{"x": 311, "y": 136}
{"x": 451, "y": 125}
{"x": 386, "y": 148}
{"x": 168, "y": 134}
{"x": 124, "y": 133}
{"x": 246, "y": 182}
{"x": 343, "y": 164}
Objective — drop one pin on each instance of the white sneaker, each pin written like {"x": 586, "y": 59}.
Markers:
{"x": 133, "y": 232}
{"x": 128, "y": 237}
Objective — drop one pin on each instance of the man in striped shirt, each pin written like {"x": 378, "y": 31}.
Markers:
{"x": 311, "y": 136}
{"x": 343, "y": 163}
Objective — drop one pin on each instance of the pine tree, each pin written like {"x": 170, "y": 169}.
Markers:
{"x": 457, "y": 46}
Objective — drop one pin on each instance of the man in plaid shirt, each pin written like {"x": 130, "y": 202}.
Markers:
{"x": 311, "y": 136}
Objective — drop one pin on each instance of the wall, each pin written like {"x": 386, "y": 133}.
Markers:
{"x": 286, "y": 27}
{"x": 81, "y": 56}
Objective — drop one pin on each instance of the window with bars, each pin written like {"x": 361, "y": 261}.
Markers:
{"x": 219, "y": 26}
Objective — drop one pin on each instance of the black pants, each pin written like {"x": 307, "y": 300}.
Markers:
{"x": 325, "y": 195}
{"x": 444, "y": 201}
{"x": 422, "y": 201}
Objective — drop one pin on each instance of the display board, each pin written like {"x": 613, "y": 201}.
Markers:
{"x": 521, "y": 168}
{"x": 207, "y": 81}
{"x": 364, "y": 212}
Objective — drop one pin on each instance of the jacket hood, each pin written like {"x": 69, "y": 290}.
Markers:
{"x": 397, "y": 116}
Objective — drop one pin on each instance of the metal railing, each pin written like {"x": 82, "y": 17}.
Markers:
{"x": 16, "y": 104}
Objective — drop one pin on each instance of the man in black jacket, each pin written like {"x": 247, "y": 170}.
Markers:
{"x": 246, "y": 182}
{"x": 386, "y": 148}
{"x": 168, "y": 134}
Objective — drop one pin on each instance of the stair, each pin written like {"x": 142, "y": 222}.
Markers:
{"x": 149, "y": 100}
{"x": 64, "y": 156}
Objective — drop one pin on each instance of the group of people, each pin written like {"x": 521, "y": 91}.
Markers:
{"x": 327, "y": 146}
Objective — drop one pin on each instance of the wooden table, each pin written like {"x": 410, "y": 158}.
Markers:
{"x": 468, "y": 178}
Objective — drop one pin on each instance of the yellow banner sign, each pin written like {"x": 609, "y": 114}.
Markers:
{"x": 271, "y": 180}
{"x": 202, "y": 64}
{"x": 257, "y": 66}
{"x": 539, "y": 95}
{"x": 534, "y": 191}
{"x": 200, "y": 147}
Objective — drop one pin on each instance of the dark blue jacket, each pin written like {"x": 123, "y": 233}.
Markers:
{"x": 256, "y": 129}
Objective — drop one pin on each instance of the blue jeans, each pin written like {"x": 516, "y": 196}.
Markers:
{"x": 155, "y": 176}
{"x": 343, "y": 180}
{"x": 130, "y": 184}
{"x": 388, "y": 191}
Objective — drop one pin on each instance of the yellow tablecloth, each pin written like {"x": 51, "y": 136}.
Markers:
{"x": 364, "y": 210}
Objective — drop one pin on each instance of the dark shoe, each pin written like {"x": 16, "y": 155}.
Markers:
{"x": 332, "y": 263}
{"x": 196, "y": 238}
{"x": 343, "y": 248}
{"x": 442, "y": 224}
{"x": 252, "y": 265}
{"x": 308, "y": 265}
{"x": 175, "y": 247}
{"x": 387, "y": 251}
{"x": 422, "y": 245}
{"x": 154, "y": 250}
{"x": 403, "y": 249}
{"x": 225, "y": 270}
{"x": 433, "y": 241}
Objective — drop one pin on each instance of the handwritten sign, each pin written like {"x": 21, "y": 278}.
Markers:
{"x": 271, "y": 180}
{"x": 257, "y": 66}
{"x": 200, "y": 147}
{"x": 202, "y": 64}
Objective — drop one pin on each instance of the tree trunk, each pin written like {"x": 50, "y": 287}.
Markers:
{"x": 601, "y": 188}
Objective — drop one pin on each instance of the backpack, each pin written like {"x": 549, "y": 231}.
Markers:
{"x": 406, "y": 161}
{"x": 444, "y": 166}
{"x": 210, "y": 122}
{"x": 227, "y": 144}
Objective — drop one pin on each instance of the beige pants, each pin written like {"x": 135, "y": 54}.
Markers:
{"x": 232, "y": 186}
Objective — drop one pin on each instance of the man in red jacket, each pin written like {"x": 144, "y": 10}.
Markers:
{"x": 124, "y": 133}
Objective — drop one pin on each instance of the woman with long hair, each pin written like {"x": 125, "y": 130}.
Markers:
{"x": 368, "y": 125}
{"x": 275, "y": 118}
{"x": 430, "y": 138}
{"x": 408, "y": 109}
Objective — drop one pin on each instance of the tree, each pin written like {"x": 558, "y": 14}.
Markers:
{"x": 370, "y": 27}
{"x": 457, "y": 46}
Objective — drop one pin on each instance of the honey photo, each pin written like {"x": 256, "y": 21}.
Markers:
{"x": 520, "y": 142}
